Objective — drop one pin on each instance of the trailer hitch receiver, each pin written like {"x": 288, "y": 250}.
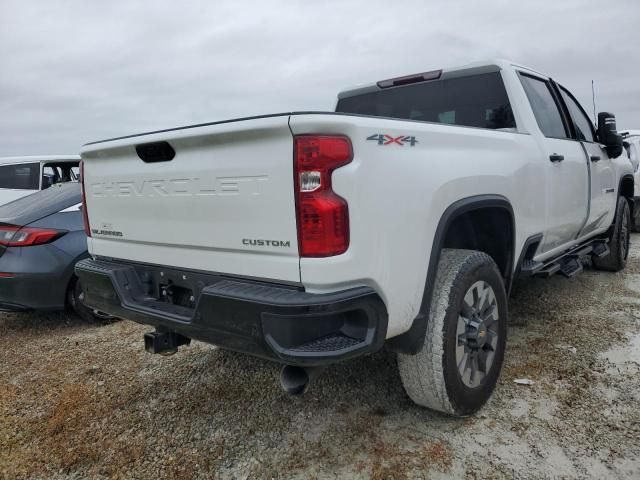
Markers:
{"x": 165, "y": 343}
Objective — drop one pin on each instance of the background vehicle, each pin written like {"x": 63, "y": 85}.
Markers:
{"x": 41, "y": 238}
{"x": 21, "y": 176}
{"x": 631, "y": 139}
{"x": 406, "y": 229}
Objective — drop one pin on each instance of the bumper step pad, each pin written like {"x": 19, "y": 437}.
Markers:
{"x": 330, "y": 343}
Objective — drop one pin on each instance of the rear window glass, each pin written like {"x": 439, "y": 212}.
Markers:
{"x": 471, "y": 101}
{"x": 24, "y": 176}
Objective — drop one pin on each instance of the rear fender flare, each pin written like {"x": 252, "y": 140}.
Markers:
{"x": 411, "y": 341}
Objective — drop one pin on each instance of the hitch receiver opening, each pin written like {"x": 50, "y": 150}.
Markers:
{"x": 164, "y": 342}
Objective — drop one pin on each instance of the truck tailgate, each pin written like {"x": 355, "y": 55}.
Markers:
{"x": 224, "y": 203}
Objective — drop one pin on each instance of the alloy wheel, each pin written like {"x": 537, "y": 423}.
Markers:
{"x": 477, "y": 333}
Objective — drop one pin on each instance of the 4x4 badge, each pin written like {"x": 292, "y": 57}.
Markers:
{"x": 384, "y": 139}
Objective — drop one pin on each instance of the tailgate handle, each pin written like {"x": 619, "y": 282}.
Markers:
{"x": 155, "y": 152}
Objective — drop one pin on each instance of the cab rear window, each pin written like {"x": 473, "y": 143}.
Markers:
{"x": 23, "y": 176}
{"x": 472, "y": 101}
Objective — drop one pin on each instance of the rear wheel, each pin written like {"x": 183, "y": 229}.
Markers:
{"x": 458, "y": 367}
{"x": 635, "y": 218}
{"x": 619, "y": 240}
{"x": 75, "y": 300}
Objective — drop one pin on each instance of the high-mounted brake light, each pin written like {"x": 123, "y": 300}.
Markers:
{"x": 322, "y": 215}
{"x": 415, "y": 78}
{"x": 14, "y": 236}
{"x": 85, "y": 213}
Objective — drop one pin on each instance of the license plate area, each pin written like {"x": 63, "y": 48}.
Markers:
{"x": 165, "y": 291}
{"x": 177, "y": 288}
{"x": 177, "y": 295}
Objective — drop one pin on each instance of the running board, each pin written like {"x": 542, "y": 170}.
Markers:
{"x": 571, "y": 267}
{"x": 601, "y": 249}
{"x": 548, "y": 270}
{"x": 530, "y": 267}
{"x": 568, "y": 264}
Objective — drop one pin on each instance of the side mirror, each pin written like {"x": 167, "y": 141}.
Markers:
{"x": 608, "y": 134}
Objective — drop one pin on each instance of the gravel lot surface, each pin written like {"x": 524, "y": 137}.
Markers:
{"x": 84, "y": 400}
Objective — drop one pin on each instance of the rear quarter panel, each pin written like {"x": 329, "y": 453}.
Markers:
{"x": 397, "y": 195}
{"x": 47, "y": 269}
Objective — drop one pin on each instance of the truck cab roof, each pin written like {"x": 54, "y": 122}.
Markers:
{"x": 475, "y": 68}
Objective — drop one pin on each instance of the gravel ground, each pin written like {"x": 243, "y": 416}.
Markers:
{"x": 84, "y": 400}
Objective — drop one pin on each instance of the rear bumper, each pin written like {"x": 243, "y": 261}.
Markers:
{"x": 35, "y": 277}
{"x": 11, "y": 306}
{"x": 277, "y": 322}
{"x": 24, "y": 292}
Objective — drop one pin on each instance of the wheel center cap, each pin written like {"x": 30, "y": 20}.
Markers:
{"x": 482, "y": 332}
{"x": 477, "y": 334}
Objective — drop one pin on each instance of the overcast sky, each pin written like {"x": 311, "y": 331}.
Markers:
{"x": 76, "y": 71}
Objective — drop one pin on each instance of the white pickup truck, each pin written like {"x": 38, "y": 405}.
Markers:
{"x": 399, "y": 220}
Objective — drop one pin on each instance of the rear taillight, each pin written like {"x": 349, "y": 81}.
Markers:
{"x": 85, "y": 213}
{"x": 13, "y": 236}
{"x": 322, "y": 215}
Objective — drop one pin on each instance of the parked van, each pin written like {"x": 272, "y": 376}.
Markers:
{"x": 21, "y": 176}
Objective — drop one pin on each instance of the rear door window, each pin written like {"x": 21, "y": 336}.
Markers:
{"x": 544, "y": 107}
{"x": 23, "y": 176}
{"x": 473, "y": 101}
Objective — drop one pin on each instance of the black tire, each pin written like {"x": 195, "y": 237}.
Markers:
{"x": 74, "y": 300}
{"x": 635, "y": 217}
{"x": 619, "y": 240}
{"x": 432, "y": 377}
